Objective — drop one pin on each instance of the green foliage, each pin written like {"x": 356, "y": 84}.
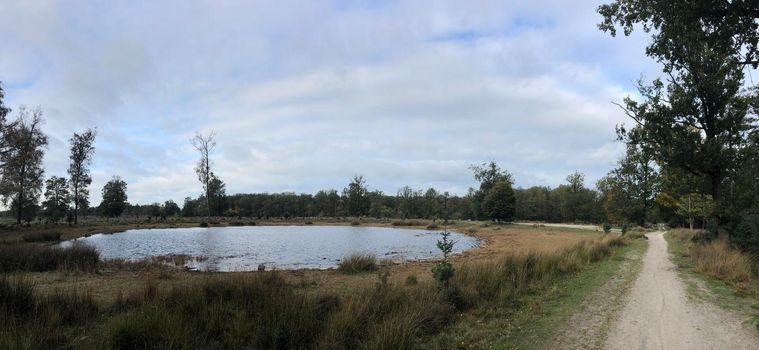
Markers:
{"x": 57, "y": 198}
{"x": 488, "y": 175}
{"x": 499, "y": 202}
{"x": 628, "y": 192}
{"x": 443, "y": 270}
{"x": 607, "y": 227}
{"x": 746, "y": 233}
{"x": 697, "y": 121}
{"x": 356, "y": 199}
{"x": 21, "y": 172}
{"x": 625, "y": 226}
{"x": 82, "y": 151}
{"x": 114, "y": 197}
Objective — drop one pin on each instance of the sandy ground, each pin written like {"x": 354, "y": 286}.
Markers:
{"x": 658, "y": 314}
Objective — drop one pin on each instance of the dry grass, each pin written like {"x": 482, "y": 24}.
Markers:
{"x": 35, "y": 257}
{"x": 41, "y": 236}
{"x": 717, "y": 259}
{"x": 358, "y": 262}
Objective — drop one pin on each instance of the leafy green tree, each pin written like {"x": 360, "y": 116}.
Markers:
{"x": 629, "y": 191}
{"x": 189, "y": 208}
{"x": 218, "y": 192}
{"x": 696, "y": 120}
{"x": 57, "y": 198}
{"x": 82, "y": 151}
{"x": 114, "y": 197}
{"x": 356, "y": 198}
{"x": 488, "y": 175}
{"x": 170, "y": 208}
{"x": 499, "y": 203}
{"x": 21, "y": 172}
{"x": 327, "y": 202}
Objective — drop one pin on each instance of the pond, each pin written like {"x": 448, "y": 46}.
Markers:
{"x": 282, "y": 247}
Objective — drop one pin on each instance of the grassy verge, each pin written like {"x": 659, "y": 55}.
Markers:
{"x": 702, "y": 283}
{"x": 531, "y": 319}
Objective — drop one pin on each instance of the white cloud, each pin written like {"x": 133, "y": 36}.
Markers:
{"x": 305, "y": 94}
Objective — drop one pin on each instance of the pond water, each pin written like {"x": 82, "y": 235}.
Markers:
{"x": 281, "y": 247}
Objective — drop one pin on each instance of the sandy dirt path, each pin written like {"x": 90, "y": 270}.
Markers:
{"x": 658, "y": 314}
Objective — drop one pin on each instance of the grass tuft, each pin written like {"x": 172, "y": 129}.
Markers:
{"x": 358, "y": 262}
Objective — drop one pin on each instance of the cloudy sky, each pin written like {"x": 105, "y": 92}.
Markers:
{"x": 305, "y": 94}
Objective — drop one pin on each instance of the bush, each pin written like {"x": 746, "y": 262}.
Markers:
{"x": 41, "y": 236}
{"x": 432, "y": 226}
{"x": 625, "y": 226}
{"x": 607, "y": 227}
{"x": 746, "y": 234}
{"x": 203, "y": 224}
{"x": 236, "y": 223}
{"x": 355, "y": 223}
{"x": 357, "y": 262}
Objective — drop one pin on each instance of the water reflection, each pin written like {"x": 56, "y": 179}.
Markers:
{"x": 281, "y": 247}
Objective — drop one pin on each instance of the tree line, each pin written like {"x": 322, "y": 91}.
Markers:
{"x": 22, "y": 148}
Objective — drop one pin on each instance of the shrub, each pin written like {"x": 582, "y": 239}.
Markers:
{"x": 443, "y": 270}
{"x": 203, "y": 224}
{"x": 309, "y": 223}
{"x": 358, "y": 262}
{"x": 746, "y": 234}
{"x": 355, "y": 223}
{"x": 607, "y": 227}
{"x": 432, "y": 226}
{"x": 625, "y": 226}
{"x": 41, "y": 236}
{"x": 236, "y": 223}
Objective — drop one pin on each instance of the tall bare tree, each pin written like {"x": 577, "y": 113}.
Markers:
{"x": 21, "y": 162}
{"x": 205, "y": 145}
{"x": 82, "y": 150}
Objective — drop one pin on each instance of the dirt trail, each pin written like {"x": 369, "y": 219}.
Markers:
{"x": 658, "y": 314}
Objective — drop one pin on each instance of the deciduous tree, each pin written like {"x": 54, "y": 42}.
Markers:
{"x": 499, "y": 203}
{"x": 114, "y": 197}
{"x": 82, "y": 151}
{"x": 21, "y": 172}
